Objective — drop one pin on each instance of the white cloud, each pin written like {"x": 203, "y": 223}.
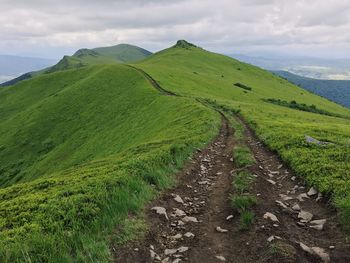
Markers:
{"x": 313, "y": 27}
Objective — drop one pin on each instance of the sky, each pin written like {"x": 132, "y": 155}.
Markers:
{"x": 47, "y": 28}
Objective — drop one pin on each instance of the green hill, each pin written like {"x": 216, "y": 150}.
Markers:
{"x": 82, "y": 150}
{"x": 122, "y": 53}
{"x": 334, "y": 90}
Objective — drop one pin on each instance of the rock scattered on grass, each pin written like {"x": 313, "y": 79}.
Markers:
{"x": 160, "y": 211}
{"x": 296, "y": 207}
{"x": 305, "y": 216}
{"x": 271, "y": 216}
{"x": 189, "y": 234}
{"x": 178, "y": 199}
{"x": 312, "y": 192}
{"x": 271, "y": 181}
{"x": 221, "y": 230}
{"x": 179, "y": 212}
{"x": 221, "y": 258}
{"x": 189, "y": 219}
{"x": 316, "y": 251}
{"x": 229, "y": 217}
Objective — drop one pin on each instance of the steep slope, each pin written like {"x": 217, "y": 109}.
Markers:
{"x": 193, "y": 72}
{"x": 122, "y": 53}
{"x": 80, "y": 150}
{"x": 334, "y": 90}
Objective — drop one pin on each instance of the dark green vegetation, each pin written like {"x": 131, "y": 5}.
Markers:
{"x": 242, "y": 200}
{"x": 242, "y": 86}
{"x": 334, "y": 90}
{"x": 303, "y": 107}
{"x": 83, "y": 149}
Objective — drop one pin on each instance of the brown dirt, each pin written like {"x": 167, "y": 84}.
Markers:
{"x": 210, "y": 204}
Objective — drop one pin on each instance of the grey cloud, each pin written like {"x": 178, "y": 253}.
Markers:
{"x": 222, "y": 25}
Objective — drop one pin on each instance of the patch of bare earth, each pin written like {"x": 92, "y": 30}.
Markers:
{"x": 189, "y": 223}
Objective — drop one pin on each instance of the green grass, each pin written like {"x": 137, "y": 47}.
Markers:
{"x": 242, "y": 181}
{"x": 281, "y": 128}
{"x": 246, "y": 220}
{"x": 242, "y": 156}
{"x": 82, "y": 151}
{"x": 243, "y": 202}
{"x": 303, "y": 107}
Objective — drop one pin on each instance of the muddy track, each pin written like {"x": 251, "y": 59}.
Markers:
{"x": 204, "y": 188}
{"x": 153, "y": 82}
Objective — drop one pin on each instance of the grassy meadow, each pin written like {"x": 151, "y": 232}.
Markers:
{"x": 214, "y": 77}
{"x": 82, "y": 151}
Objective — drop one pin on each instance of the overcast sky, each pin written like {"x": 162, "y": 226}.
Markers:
{"x": 52, "y": 28}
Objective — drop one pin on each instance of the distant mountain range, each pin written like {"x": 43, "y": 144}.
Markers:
{"x": 335, "y": 90}
{"x": 122, "y": 53}
{"x": 13, "y": 66}
{"x": 304, "y": 66}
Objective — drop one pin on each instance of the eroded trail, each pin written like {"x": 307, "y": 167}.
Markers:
{"x": 195, "y": 227}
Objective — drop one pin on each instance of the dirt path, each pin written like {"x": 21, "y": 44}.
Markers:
{"x": 153, "y": 82}
{"x": 205, "y": 186}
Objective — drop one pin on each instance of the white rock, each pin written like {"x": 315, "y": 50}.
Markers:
{"x": 285, "y": 197}
{"x": 280, "y": 166}
{"x": 318, "y": 222}
{"x": 317, "y": 227}
{"x": 221, "y": 258}
{"x": 319, "y": 197}
{"x": 281, "y": 204}
{"x": 312, "y": 192}
{"x": 177, "y": 260}
{"x": 271, "y": 181}
{"x": 293, "y": 178}
{"x": 296, "y": 207}
{"x": 332, "y": 247}
{"x": 221, "y": 230}
{"x": 153, "y": 254}
{"x": 189, "y": 219}
{"x": 160, "y": 211}
{"x": 178, "y": 199}
{"x": 171, "y": 251}
{"x": 229, "y": 217}
{"x": 179, "y": 212}
{"x": 182, "y": 249}
{"x": 166, "y": 260}
{"x": 302, "y": 196}
{"x": 305, "y": 216}
{"x": 189, "y": 234}
{"x": 271, "y": 238}
{"x": 177, "y": 236}
{"x": 180, "y": 223}
{"x": 271, "y": 216}
{"x": 322, "y": 254}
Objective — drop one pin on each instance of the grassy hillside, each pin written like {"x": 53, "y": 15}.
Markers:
{"x": 334, "y": 90}
{"x": 83, "y": 149}
{"x": 122, "y": 53}
{"x": 193, "y": 72}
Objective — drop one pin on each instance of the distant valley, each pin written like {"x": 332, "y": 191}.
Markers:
{"x": 13, "y": 66}
{"x": 319, "y": 68}
{"x": 334, "y": 90}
